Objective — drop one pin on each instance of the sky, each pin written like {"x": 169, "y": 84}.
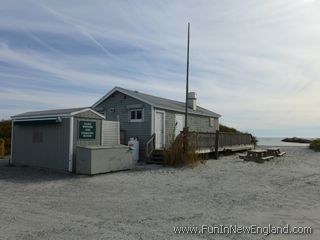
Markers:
{"x": 255, "y": 62}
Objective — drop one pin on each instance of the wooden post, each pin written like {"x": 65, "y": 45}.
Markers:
{"x": 216, "y": 145}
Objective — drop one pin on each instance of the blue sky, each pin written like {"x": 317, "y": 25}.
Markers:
{"x": 256, "y": 62}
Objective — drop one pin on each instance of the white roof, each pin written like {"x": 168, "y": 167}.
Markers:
{"x": 68, "y": 112}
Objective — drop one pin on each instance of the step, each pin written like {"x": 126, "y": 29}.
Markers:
{"x": 159, "y": 158}
{"x": 155, "y": 161}
{"x": 158, "y": 152}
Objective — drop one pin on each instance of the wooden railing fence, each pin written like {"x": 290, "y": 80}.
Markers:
{"x": 207, "y": 140}
{"x": 150, "y": 145}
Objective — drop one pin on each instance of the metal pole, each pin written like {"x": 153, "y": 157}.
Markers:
{"x": 11, "y": 148}
{"x": 185, "y": 130}
{"x": 187, "y": 81}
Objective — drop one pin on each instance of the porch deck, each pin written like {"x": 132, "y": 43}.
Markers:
{"x": 206, "y": 142}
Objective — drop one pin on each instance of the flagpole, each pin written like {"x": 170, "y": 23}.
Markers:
{"x": 187, "y": 81}
{"x": 186, "y": 130}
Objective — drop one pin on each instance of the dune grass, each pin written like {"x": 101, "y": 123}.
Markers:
{"x": 177, "y": 156}
{"x": 5, "y": 134}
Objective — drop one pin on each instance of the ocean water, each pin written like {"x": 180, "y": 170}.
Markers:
{"x": 267, "y": 141}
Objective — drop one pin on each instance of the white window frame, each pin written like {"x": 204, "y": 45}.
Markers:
{"x": 136, "y": 110}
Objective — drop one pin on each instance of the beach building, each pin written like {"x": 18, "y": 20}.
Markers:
{"x": 145, "y": 116}
{"x": 49, "y": 139}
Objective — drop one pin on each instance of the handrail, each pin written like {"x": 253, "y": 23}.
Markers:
{"x": 150, "y": 145}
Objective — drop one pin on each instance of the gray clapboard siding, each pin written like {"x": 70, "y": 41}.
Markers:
{"x": 195, "y": 123}
{"x": 116, "y": 109}
{"x": 52, "y": 152}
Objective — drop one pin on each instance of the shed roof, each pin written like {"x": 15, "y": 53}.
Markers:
{"x": 67, "y": 112}
{"x": 159, "y": 102}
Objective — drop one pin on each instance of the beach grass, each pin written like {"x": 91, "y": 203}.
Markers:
{"x": 176, "y": 156}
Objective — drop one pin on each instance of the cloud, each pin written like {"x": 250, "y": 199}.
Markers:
{"x": 255, "y": 62}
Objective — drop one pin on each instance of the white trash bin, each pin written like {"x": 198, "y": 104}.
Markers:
{"x": 133, "y": 144}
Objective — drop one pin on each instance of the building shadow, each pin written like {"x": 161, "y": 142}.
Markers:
{"x": 25, "y": 174}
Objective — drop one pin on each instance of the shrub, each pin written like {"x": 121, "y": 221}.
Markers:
{"x": 254, "y": 140}
{"x": 315, "y": 145}
{"x": 224, "y": 128}
{"x": 5, "y": 134}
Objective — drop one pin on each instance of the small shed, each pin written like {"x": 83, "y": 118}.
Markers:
{"x": 49, "y": 139}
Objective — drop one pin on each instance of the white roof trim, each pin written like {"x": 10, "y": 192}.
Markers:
{"x": 119, "y": 90}
{"x": 40, "y": 117}
{"x": 57, "y": 115}
{"x": 87, "y": 109}
{"x": 35, "y": 119}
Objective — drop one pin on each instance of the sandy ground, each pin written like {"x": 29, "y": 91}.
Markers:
{"x": 147, "y": 203}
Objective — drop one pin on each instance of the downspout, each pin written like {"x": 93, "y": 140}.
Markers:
{"x": 11, "y": 150}
{"x": 152, "y": 120}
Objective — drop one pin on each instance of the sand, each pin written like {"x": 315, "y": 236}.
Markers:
{"x": 148, "y": 202}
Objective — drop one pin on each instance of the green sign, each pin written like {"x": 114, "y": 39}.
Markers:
{"x": 87, "y": 130}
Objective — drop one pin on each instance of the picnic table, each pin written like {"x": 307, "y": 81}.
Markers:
{"x": 275, "y": 152}
{"x": 257, "y": 156}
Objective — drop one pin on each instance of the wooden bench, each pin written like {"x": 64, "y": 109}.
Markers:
{"x": 267, "y": 158}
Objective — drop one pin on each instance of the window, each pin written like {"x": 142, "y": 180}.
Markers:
{"x": 136, "y": 115}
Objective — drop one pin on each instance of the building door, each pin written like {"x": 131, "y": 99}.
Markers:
{"x": 159, "y": 129}
{"x": 179, "y": 124}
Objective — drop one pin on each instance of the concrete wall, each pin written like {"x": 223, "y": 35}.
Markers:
{"x": 195, "y": 123}
{"x": 52, "y": 152}
{"x": 103, "y": 159}
{"x": 121, "y": 104}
